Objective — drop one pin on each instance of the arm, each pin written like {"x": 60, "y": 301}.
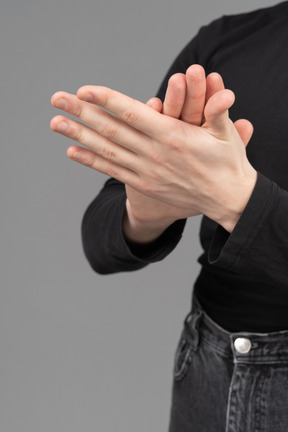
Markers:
{"x": 142, "y": 240}
{"x": 145, "y": 219}
{"x": 162, "y": 157}
{"x": 105, "y": 246}
{"x": 257, "y": 247}
{"x": 258, "y": 233}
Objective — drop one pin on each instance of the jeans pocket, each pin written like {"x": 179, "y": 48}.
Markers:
{"x": 183, "y": 357}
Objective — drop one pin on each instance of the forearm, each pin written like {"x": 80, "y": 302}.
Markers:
{"x": 141, "y": 231}
{"x": 104, "y": 244}
{"x": 102, "y": 238}
{"x": 257, "y": 247}
{"x": 231, "y": 210}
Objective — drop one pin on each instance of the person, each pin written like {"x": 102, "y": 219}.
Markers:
{"x": 184, "y": 154}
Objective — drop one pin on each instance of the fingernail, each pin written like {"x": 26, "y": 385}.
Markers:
{"x": 62, "y": 127}
{"x": 61, "y": 103}
{"x": 88, "y": 97}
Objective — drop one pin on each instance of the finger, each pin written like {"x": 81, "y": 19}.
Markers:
{"x": 245, "y": 129}
{"x": 216, "y": 110}
{"x": 175, "y": 95}
{"x": 130, "y": 111}
{"x": 89, "y": 159}
{"x": 214, "y": 83}
{"x": 102, "y": 122}
{"x": 95, "y": 142}
{"x": 155, "y": 103}
{"x": 192, "y": 111}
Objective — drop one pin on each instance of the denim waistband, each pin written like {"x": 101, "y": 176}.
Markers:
{"x": 242, "y": 347}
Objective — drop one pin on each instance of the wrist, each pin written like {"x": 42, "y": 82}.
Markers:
{"x": 138, "y": 229}
{"x": 240, "y": 200}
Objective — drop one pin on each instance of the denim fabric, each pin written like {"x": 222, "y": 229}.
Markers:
{"x": 219, "y": 389}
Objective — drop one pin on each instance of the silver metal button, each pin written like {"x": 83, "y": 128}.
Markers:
{"x": 242, "y": 345}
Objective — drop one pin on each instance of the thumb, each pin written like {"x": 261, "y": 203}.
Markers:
{"x": 245, "y": 130}
{"x": 216, "y": 110}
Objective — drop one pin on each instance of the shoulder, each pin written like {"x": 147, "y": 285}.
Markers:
{"x": 230, "y": 29}
{"x": 257, "y": 18}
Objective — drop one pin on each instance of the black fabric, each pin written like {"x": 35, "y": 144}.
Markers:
{"x": 243, "y": 284}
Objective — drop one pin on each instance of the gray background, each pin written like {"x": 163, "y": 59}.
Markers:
{"x": 80, "y": 351}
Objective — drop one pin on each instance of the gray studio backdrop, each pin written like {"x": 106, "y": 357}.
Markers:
{"x": 80, "y": 351}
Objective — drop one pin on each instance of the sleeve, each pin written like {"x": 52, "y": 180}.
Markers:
{"x": 258, "y": 245}
{"x": 104, "y": 245}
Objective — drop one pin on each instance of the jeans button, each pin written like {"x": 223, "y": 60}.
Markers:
{"x": 242, "y": 345}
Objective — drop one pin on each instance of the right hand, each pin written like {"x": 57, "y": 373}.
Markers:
{"x": 186, "y": 96}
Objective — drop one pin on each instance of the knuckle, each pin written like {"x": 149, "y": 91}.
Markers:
{"x": 108, "y": 153}
{"x": 112, "y": 171}
{"x": 130, "y": 116}
{"x": 88, "y": 160}
{"x": 109, "y": 131}
{"x": 79, "y": 110}
{"x": 77, "y": 133}
{"x": 158, "y": 158}
{"x": 75, "y": 106}
{"x": 173, "y": 142}
{"x": 147, "y": 189}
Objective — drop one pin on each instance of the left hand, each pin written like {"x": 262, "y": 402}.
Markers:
{"x": 184, "y": 165}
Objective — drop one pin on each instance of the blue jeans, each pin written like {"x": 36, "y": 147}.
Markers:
{"x": 228, "y": 382}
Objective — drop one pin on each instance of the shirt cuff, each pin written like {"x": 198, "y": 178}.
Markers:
{"x": 226, "y": 249}
{"x": 159, "y": 248}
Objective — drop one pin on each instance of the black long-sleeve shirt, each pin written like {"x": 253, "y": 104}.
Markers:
{"x": 243, "y": 283}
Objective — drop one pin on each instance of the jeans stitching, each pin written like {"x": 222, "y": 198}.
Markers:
{"x": 229, "y": 403}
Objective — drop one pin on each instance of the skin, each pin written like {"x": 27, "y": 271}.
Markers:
{"x": 185, "y": 98}
{"x": 169, "y": 156}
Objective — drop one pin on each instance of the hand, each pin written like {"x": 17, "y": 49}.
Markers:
{"x": 178, "y": 163}
{"x": 146, "y": 218}
{"x": 185, "y": 95}
{"x": 185, "y": 98}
